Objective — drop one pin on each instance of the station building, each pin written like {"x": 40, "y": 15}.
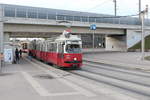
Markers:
{"x": 112, "y": 33}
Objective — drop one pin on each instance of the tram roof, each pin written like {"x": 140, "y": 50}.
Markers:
{"x": 71, "y": 37}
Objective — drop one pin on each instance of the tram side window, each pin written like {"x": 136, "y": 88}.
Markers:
{"x": 55, "y": 47}
{"x": 38, "y": 47}
{"x": 52, "y": 47}
{"x": 49, "y": 47}
{"x": 43, "y": 49}
{"x": 60, "y": 48}
{"x": 41, "y": 46}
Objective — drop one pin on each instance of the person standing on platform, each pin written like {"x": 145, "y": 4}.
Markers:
{"x": 17, "y": 55}
{"x": 30, "y": 55}
{"x": 20, "y": 52}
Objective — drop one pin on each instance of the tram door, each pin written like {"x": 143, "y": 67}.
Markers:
{"x": 60, "y": 54}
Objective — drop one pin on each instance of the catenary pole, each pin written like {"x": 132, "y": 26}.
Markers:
{"x": 115, "y": 7}
{"x": 139, "y": 6}
{"x": 142, "y": 15}
{"x": 142, "y": 35}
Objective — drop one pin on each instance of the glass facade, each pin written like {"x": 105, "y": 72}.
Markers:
{"x": 51, "y": 16}
{"x": 41, "y": 13}
{"x": 21, "y": 12}
{"x": 98, "y": 20}
{"x": 84, "y": 19}
{"x": 60, "y": 17}
{"x": 9, "y": 12}
{"x": 69, "y": 18}
{"x": 31, "y": 13}
{"x": 77, "y": 18}
{"x": 92, "y": 19}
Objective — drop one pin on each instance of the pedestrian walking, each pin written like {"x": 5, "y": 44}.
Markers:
{"x": 20, "y": 52}
{"x": 17, "y": 55}
{"x": 30, "y": 55}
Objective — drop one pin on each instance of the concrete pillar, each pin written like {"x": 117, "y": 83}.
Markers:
{"x": 1, "y": 30}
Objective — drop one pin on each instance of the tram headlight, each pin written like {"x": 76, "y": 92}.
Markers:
{"x": 75, "y": 59}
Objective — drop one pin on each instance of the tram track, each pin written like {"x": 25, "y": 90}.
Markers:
{"x": 105, "y": 64}
{"x": 123, "y": 87}
{"x": 135, "y": 87}
{"x": 119, "y": 66}
{"x": 125, "y": 80}
{"x": 116, "y": 69}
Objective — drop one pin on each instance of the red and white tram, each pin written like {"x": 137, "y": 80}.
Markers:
{"x": 64, "y": 51}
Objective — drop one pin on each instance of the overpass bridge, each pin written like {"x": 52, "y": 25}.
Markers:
{"x": 118, "y": 34}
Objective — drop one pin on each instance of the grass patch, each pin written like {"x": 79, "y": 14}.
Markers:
{"x": 138, "y": 45}
{"x": 147, "y": 58}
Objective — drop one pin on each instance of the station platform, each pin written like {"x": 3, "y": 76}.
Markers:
{"x": 129, "y": 60}
{"x": 34, "y": 80}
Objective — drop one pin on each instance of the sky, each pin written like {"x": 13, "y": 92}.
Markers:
{"x": 124, "y": 7}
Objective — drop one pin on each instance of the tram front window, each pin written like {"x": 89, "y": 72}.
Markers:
{"x": 73, "y": 48}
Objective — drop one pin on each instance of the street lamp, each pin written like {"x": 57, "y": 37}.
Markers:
{"x": 142, "y": 16}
